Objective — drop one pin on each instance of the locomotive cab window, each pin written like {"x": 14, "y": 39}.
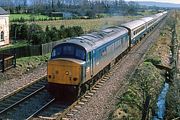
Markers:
{"x": 69, "y": 51}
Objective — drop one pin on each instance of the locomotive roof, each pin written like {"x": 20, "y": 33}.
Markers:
{"x": 133, "y": 24}
{"x": 96, "y": 39}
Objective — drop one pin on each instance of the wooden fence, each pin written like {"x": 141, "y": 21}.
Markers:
{"x": 31, "y": 50}
{"x": 7, "y": 61}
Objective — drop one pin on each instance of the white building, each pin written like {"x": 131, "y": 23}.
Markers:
{"x": 4, "y": 27}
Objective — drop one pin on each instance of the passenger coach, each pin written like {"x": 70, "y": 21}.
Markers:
{"x": 136, "y": 29}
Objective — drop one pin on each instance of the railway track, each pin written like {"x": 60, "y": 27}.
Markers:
{"x": 19, "y": 105}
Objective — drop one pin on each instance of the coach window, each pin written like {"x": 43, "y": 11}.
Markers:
{"x": 2, "y": 36}
{"x": 134, "y": 32}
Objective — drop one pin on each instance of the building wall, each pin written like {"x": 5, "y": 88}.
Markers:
{"x": 4, "y": 30}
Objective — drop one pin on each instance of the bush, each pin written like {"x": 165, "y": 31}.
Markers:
{"x": 35, "y": 34}
{"x": 153, "y": 60}
{"x": 19, "y": 31}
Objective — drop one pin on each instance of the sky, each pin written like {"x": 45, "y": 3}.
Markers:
{"x": 167, "y": 1}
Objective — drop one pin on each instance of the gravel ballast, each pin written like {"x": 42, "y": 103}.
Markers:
{"x": 9, "y": 86}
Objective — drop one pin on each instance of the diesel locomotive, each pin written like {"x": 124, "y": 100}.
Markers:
{"x": 78, "y": 62}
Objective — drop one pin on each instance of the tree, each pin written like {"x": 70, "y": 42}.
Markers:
{"x": 24, "y": 31}
{"x": 53, "y": 34}
{"x": 48, "y": 34}
{"x": 36, "y": 34}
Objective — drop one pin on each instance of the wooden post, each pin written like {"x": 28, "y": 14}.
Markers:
{"x": 3, "y": 64}
{"x": 14, "y": 60}
{"x": 145, "y": 108}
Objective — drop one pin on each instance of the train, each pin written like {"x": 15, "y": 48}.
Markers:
{"x": 79, "y": 62}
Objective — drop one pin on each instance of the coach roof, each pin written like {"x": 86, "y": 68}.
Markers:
{"x": 133, "y": 24}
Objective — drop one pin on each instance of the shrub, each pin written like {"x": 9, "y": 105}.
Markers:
{"x": 153, "y": 60}
{"x": 35, "y": 34}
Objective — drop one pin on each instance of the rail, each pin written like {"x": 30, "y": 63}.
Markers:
{"x": 23, "y": 99}
{"x": 43, "y": 107}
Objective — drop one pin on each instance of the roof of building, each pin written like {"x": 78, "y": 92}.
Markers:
{"x": 3, "y": 12}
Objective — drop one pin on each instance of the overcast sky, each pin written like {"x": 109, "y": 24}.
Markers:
{"x": 168, "y": 1}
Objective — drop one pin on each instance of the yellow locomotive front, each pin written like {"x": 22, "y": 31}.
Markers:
{"x": 65, "y": 69}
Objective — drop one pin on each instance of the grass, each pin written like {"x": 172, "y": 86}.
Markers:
{"x": 28, "y": 17}
{"x": 147, "y": 13}
{"x": 19, "y": 43}
{"x": 27, "y": 63}
{"x": 24, "y": 65}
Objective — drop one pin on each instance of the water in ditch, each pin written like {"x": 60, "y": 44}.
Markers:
{"x": 161, "y": 103}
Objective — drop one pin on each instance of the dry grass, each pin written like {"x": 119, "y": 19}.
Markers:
{"x": 161, "y": 49}
{"x": 89, "y": 25}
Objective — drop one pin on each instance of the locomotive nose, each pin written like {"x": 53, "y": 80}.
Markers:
{"x": 64, "y": 72}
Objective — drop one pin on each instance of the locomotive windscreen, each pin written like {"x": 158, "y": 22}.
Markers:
{"x": 68, "y": 51}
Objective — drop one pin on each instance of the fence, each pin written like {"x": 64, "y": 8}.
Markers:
{"x": 7, "y": 61}
{"x": 32, "y": 50}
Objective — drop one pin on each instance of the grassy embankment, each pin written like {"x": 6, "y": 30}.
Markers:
{"x": 146, "y": 83}
{"x": 24, "y": 65}
{"x": 173, "y": 97}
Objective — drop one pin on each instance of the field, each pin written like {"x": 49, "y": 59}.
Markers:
{"x": 28, "y": 17}
{"x": 89, "y": 25}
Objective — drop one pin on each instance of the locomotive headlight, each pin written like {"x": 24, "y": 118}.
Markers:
{"x": 67, "y": 73}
